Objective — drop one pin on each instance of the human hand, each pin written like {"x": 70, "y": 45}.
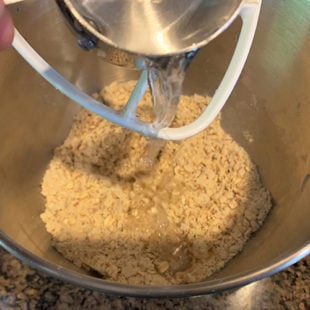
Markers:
{"x": 6, "y": 27}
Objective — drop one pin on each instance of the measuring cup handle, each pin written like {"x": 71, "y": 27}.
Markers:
{"x": 249, "y": 14}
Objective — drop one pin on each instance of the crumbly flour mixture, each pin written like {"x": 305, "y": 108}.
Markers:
{"x": 143, "y": 212}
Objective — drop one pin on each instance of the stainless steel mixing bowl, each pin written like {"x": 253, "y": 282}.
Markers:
{"x": 268, "y": 114}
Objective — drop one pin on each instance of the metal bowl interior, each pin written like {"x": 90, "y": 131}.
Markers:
{"x": 271, "y": 103}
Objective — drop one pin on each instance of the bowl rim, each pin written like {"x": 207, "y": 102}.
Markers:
{"x": 187, "y": 290}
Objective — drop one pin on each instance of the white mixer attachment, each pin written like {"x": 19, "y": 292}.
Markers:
{"x": 249, "y": 12}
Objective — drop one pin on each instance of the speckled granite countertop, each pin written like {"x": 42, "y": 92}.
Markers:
{"x": 23, "y": 288}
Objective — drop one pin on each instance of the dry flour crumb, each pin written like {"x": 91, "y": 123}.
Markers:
{"x": 174, "y": 219}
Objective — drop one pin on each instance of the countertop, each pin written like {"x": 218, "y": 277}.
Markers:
{"x": 21, "y": 287}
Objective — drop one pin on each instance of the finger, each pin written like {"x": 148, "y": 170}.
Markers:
{"x": 6, "y": 28}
